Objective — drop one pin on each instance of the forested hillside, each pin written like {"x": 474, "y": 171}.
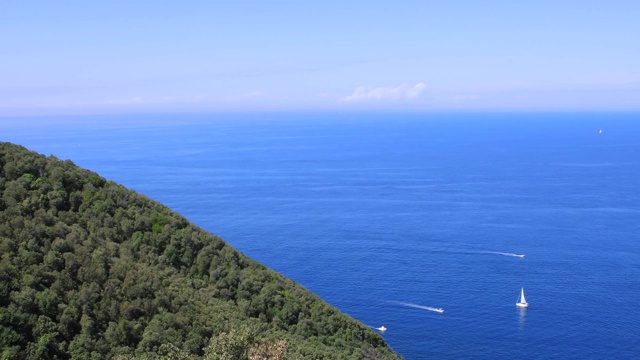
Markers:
{"x": 91, "y": 270}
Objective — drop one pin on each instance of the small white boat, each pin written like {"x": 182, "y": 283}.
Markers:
{"x": 522, "y": 302}
{"x": 382, "y": 329}
{"x": 439, "y": 310}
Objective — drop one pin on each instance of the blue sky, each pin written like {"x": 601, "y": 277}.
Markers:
{"x": 59, "y": 57}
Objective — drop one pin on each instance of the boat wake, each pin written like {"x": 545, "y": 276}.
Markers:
{"x": 504, "y": 253}
{"x": 381, "y": 328}
{"x": 422, "y": 307}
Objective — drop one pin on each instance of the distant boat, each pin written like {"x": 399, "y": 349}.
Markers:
{"x": 382, "y": 329}
{"x": 521, "y": 301}
{"x": 600, "y": 132}
{"x": 439, "y": 310}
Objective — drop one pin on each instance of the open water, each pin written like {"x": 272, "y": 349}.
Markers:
{"x": 387, "y": 215}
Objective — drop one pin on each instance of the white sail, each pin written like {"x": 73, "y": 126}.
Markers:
{"x": 521, "y": 301}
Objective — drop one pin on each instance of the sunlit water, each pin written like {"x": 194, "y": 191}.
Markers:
{"x": 388, "y": 217}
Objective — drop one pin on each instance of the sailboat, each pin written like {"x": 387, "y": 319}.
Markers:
{"x": 521, "y": 301}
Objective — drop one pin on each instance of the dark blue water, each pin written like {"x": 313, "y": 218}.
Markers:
{"x": 383, "y": 215}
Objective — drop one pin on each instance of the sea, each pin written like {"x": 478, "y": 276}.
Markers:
{"x": 389, "y": 216}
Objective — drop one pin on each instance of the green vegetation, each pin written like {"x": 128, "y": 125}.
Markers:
{"x": 91, "y": 270}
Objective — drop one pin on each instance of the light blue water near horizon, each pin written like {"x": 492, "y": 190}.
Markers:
{"x": 383, "y": 215}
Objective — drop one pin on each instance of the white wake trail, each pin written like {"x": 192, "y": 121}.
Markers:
{"x": 504, "y": 253}
{"x": 422, "y": 307}
{"x": 380, "y": 328}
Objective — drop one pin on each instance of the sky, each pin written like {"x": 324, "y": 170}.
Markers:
{"x": 86, "y": 57}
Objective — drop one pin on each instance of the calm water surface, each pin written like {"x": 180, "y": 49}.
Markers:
{"x": 386, "y": 215}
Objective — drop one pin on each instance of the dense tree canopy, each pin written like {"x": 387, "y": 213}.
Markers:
{"x": 91, "y": 270}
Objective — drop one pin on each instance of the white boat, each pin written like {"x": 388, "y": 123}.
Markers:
{"x": 439, "y": 310}
{"x": 382, "y": 329}
{"x": 521, "y": 301}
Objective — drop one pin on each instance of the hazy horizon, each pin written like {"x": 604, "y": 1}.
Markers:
{"x": 162, "y": 57}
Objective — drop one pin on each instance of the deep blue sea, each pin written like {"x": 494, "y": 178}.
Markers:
{"x": 386, "y": 215}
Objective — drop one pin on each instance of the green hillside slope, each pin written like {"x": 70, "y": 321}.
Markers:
{"x": 91, "y": 270}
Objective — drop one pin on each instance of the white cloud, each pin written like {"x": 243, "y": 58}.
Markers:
{"x": 401, "y": 92}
